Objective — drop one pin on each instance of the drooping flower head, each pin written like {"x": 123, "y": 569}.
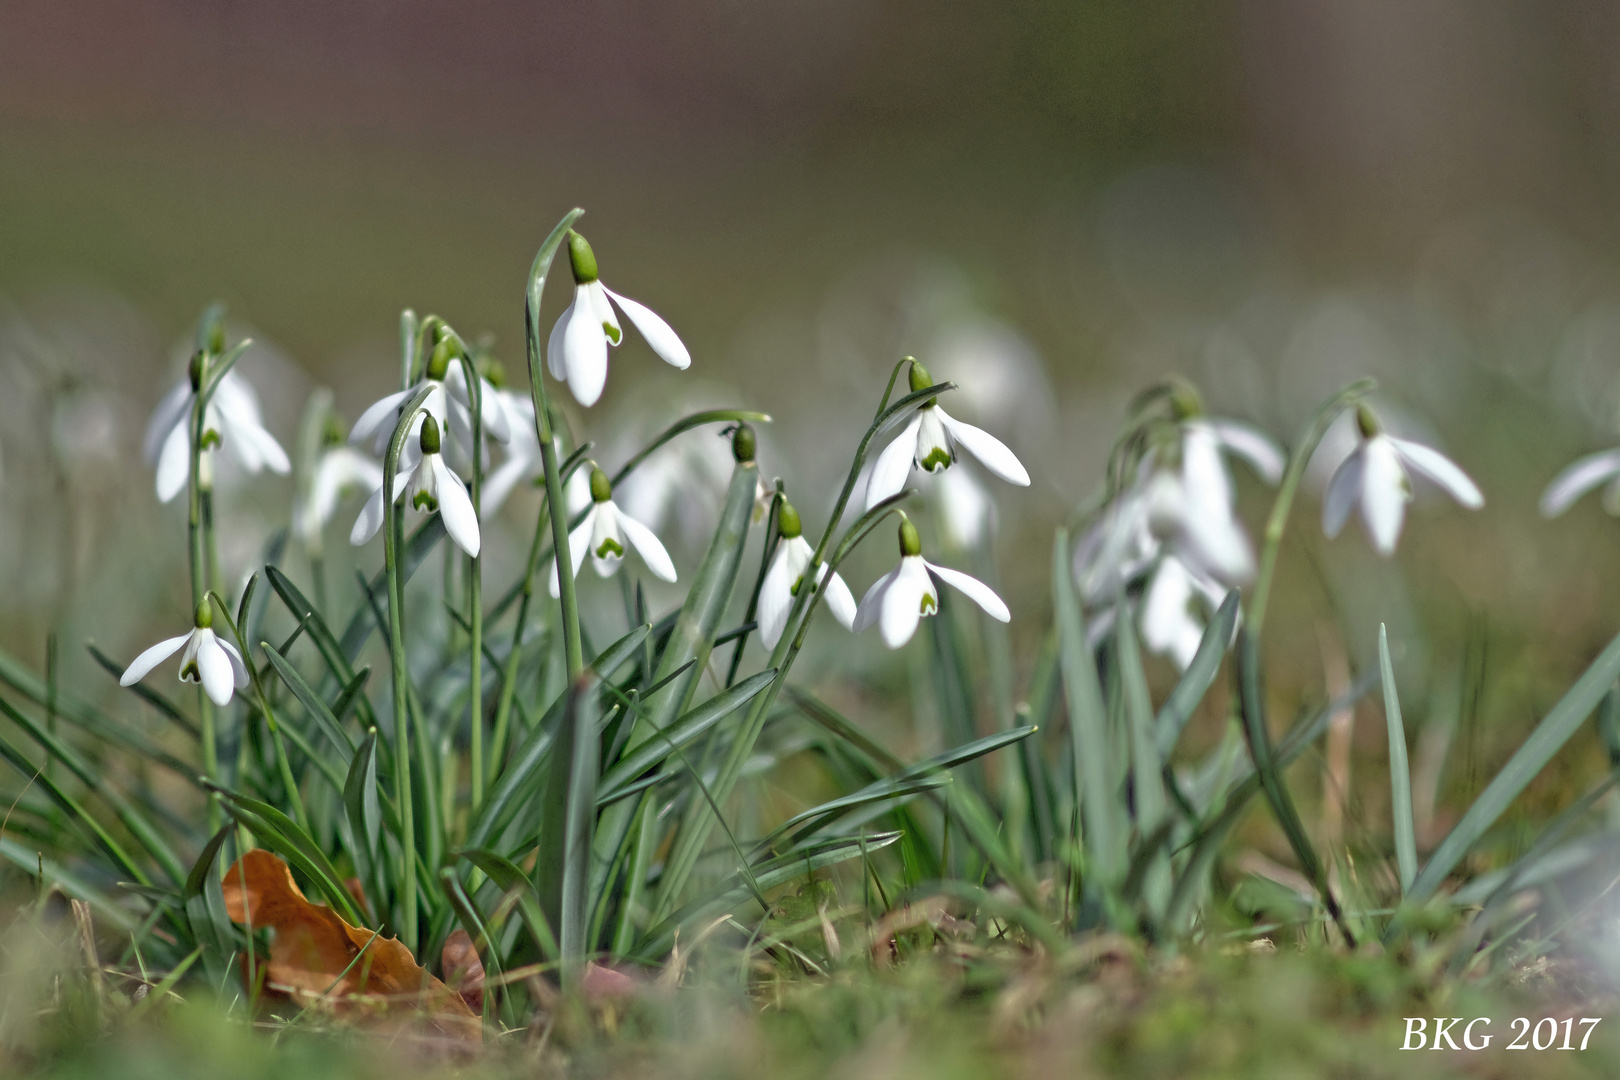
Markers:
{"x": 449, "y": 402}
{"x": 338, "y": 469}
{"x": 429, "y": 486}
{"x": 207, "y": 660}
{"x": 1375, "y": 478}
{"x": 930, "y": 441}
{"x": 603, "y": 534}
{"x": 898, "y": 600}
{"x": 232, "y": 420}
{"x": 786, "y": 577}
{"x": 577, "y": 351}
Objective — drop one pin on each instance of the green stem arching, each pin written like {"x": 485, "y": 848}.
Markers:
{"x": 475, "y": 586}
{"x": 1277, "y": 522}
{"x": 572, "y": 650}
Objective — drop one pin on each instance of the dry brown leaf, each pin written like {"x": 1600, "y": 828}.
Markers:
{"x": 313, "y": 946}
{"x": 604, "y": 983}
{"x": 463, "y": 971}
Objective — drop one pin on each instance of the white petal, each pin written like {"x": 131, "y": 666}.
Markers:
{"x": 370, "y": 519}
{"x": 1214, "y": 542}
{"x": 265, "y": 447}
{"x": 663, "y": 340}
{"x": 579, "y": 543}
{"x": 990, "y": 451}
{"x": 1204, "y": 481}
{"x": 903, "y": 600}
{"x": 604, "y": 312}
{"x": 1575, "y": 481}
{"x": 1168, "y": 628}
{"x": 174, "y": 463}
{"x": 1342, "y": 493}
{"x": 151, "y": 658}
{"x": 585, "y": 351}
{"x": 1252, "y": 445}
{"x": 652, "y": 552}
{"x": 775, "y": 599}
{"x": 840, "y": 601}
{"x": 214, "y": 670}
{"x": 378, "y": 419}
{"x": 1384, "y": 493}
{"x": 1435, "y": 467}
{"x": 893, "y": 465}
{"x": 175, "y": 407}
{"x": 556, "y": 358}
{"x": 455, "y": 507}
{"x": 974, "y": 590}
{"x": 872, "y": 603}
{"x": 341, "y": 468}
{"x": 239, "y": 671}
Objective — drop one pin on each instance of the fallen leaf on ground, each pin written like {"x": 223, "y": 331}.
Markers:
{"x": 312, "y": 957}
{"x": 463, "y": 971}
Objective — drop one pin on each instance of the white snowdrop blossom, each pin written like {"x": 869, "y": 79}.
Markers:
{"x": 1375, "y": 479}
{"x": 1594, "y": 470}
{"x": 429, "y": 485}
{"x": 1174, "y": 610}
{"x": 898, "y": 600}
{"x": 207, "y": 660}
{"x": 577, "y": 351}
{"x": 448, "y": 402}
{"x": 930, "y": 441}
{"x": 967, "y": 514}
{"x": 603, "y": 533}
{"x": 785, "y": 578}
{"x": 232, "y": 420}
{"x": 338, "y": 470}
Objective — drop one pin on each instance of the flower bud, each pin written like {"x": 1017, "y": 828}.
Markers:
{"x": 216, "y": 337}
{"x": 601, "y": 486}
{"x": 581, "y": 258}
{"x": 1367, "y": 421}
{"x": 429, "y": 439}
{"x": 743, "y": 444}
{"x": 205, "y": 615}
{"x": 920, "y": 379}
{"x": 1185, "y": 402}
{"x": 494, "y": 372}
{"x": 196, "y": 369}
{"x": 787, "y": 520}
{"x": 447, "y": 350}
{"x": 910, "y": 542}
{"x": 332, "y": 432}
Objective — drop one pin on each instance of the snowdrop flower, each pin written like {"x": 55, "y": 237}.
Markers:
{"x": 1375, "y": 478}
{"x": 338, "y": 470}
{"x": 1584, "y": 475}
{"x": 1169, "y": 624}
{"x": 448, "y": 403}
{"x": 603, "y": 534}
{"x": 966, "y": 511}
{"x": 430, "y": 485}
{"x": 578, "y": 349}
{"x": 899, "y": 599}
{"x": 232, "y": 419}
{"x": 930, "y": 441}
{"x": 207, "y": 660}
{"x": 786, "y": 575}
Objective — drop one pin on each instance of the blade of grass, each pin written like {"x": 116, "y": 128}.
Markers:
{"x": 1400, "y": 777}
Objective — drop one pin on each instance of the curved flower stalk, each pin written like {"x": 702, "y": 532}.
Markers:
{"x": 429, "y": 485}
{"x": 1375, "y": 479}
{"x": 578, "y": 347}
{"x": 449, "y": 401}
{"x": 213, "y": 663}
{"x": 232, "y": 419}
{"x": 603, "y": 534}
{"x": 930, "y": 441}
{"x": 898, "y": 600}
{"x": 785, "y": 578}
{"x": 1601, "y": 469}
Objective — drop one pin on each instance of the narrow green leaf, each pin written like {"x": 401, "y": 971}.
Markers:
{"x": 568, "y": 825}
{"x": 1147, "y": 766}
{"x": 211, "y": 927}
{"x": 312, "y": 703}
{"x": 509, "y": 879}
{"x": 281, "y": 834}
{"x": 1400, "y": 778}
{"x": 336, "y": 657}
{"x": 162, "y": 704}
{"x": 679, "y": 734}
{"x": 1548, "y": 738}
{"x": 418, "y": 546}
{"x": 360, "y": 794}
{"x": 1198, "y": 678}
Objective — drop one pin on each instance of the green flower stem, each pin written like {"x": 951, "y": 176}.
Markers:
{"x": 1277, "y": 523}
{"x": 393, "y": 541}
{"x": 572, "y": 651}
{"x": 475, "y": 586}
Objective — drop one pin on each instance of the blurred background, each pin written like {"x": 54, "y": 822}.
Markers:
{"x": 1055, "y": 203}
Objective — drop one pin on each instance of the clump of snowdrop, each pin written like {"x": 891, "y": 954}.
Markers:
{"x": 898, "y": 600}
{"x": 449, "y": 403}
{"x": 1376, "y": 479}
{"x": 786, "y": 576}
{"x": 232, "y": 419}
{"x": 429, "y": 486}
{"x": 577, "y": 351}
{"x": 603, "y": 534}
{"x": 207, "y": 660}
{"x": 930, "y": 441}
